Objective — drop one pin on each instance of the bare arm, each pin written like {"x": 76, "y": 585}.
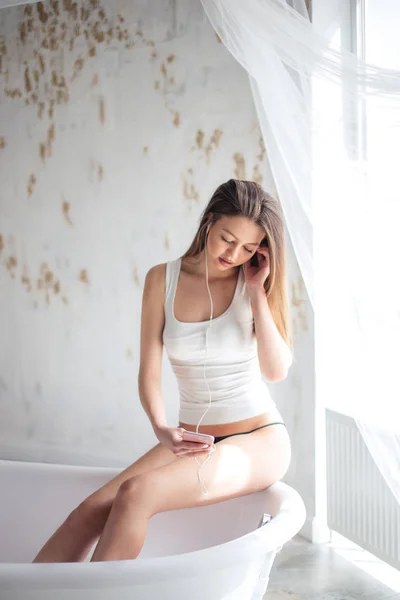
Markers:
{"x": 274, "y": 355}
{"x": 149, "y": 378}
{"x": 151, "y": 347}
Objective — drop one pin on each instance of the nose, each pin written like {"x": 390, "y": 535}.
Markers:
{"x": 232, "y": 255}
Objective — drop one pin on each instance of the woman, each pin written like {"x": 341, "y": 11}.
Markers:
{"x": 249, "y": 337}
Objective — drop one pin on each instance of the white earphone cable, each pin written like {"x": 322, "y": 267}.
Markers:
{"x": 204, "y": 489}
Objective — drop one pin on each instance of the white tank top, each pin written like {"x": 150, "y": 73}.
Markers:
{"x": 232, "y": 368}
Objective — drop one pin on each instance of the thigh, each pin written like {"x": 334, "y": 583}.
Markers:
{"x": 240, "y": 465}
{"x": 101, "y": 500}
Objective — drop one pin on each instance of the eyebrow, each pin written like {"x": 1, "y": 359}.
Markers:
{"x": 248, "y": 243}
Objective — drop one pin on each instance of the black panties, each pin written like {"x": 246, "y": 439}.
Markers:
{"x": 223, "y": 437}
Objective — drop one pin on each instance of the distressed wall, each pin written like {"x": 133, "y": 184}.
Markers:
{"x": 117, "y": 122}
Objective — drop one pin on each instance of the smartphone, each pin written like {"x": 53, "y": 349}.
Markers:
{"x": 201, "y": 438}
{"x": 254, "y": 258}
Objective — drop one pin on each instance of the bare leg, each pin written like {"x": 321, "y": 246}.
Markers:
{"x": 72, "y": 541}
{"x": 125, "y": 530}
{"x": 240, "y": 465}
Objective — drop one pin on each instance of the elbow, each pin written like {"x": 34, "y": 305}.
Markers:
{"x": 275, "y": 376}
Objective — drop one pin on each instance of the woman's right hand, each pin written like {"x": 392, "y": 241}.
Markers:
{"x": 172, "y": 437}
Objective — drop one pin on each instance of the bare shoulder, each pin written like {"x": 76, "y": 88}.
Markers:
{"x": 152, "y": 322}
{"x": 155, "y": 278}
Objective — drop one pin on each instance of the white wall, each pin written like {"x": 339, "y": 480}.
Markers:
{"x": 117, "y": 124}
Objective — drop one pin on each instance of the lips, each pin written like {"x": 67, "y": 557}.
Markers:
{"x": 226, "y": 262}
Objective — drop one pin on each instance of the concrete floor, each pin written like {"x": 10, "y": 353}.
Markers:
{"x": 304, "y": 571}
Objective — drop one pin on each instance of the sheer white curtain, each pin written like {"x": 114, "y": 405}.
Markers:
{"x": 331, "y": 127}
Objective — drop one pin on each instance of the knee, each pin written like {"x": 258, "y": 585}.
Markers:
{"x": 137, "y": 491}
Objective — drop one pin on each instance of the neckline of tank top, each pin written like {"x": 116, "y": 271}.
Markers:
{"x": 178, "y": 269}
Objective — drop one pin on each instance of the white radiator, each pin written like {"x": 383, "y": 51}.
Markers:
{"x": 361, "y": 507}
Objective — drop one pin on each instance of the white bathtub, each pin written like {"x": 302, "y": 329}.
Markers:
{"x": 215, "y": 552}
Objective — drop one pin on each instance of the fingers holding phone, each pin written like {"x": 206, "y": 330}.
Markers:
{"x": 202, "y": 440}
{"x": 174, "y": 439}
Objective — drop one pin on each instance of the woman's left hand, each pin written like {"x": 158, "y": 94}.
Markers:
{"x": 256, "y": 276}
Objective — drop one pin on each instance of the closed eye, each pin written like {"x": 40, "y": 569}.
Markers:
{"x": 231, "y": 242}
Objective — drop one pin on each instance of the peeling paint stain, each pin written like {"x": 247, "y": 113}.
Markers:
{"x": 28, "y": 85}
{"x": 42, "y": 151}
{"x": 43, "y": 15}
{"x": 48, "y": 277}
{"x": 257, "y": 177}
{"x": 65, "y": 209}
{"x": 95, "y": 80}
{"x": 83, "y": 276}
{"x": 213, "y": 143}
{"x": 97, "y": 168}
{"x": 22, "y": 32}
{"x": 25, "y": 279}
{"x": 78, "y": 67}
{"x": 102, "y": 110}
{"x": 42, "y": 106}
{"x": 145, "y": 150}
{"x": 2, "y": 142}
{"x": 42, "y": 64}
{"x": 136, "y": 276}
{"x": 47, "y": 282}
{"x": 240, "y": 169}
{"x": 199, "y": 138}
{"x": 50, "y": 139}
{"x": 189, "y": 191}
{"x": 260, "y": 157}
{"x": 14, "y": 93}
{"x": 11, "y": 264}
{"x": 31, "y": 184}
{"x": 170, "y": 58}
{"x": 154, "y": 55}
{"x": 50, "y": 111}
{"x": 177, "y": 119}
{"x": 1, "y": 243}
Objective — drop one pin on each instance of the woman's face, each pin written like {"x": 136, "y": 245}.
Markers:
{"x": 233, "y": 239}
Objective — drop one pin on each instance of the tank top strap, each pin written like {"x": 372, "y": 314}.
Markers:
{"x": 242, "y": 282}
{"x": 171, "y": 279}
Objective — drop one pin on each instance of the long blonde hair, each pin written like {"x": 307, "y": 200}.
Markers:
{"x": 248, "y": 199}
